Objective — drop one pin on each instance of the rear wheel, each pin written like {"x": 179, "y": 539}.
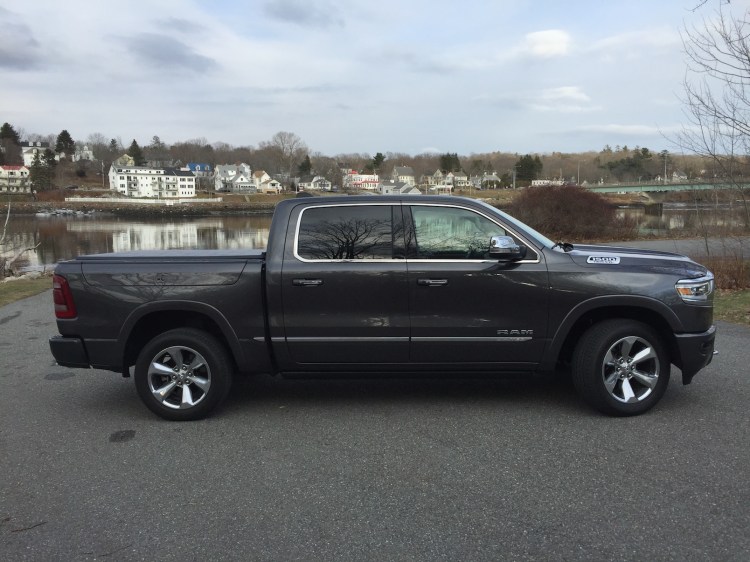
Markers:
{"x": 183, "y": 374}
{"x": 620, "y": 367}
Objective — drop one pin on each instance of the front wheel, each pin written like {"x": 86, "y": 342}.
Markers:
{"x": 183, "y": 374}
{"x": 620, "y": 367}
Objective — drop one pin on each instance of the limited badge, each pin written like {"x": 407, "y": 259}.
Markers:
{"x": 608, "y": 260}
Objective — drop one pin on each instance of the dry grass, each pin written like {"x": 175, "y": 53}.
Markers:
{"x": 17, "y": 289}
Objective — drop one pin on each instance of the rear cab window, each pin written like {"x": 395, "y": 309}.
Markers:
{"x": 348, "y": 232}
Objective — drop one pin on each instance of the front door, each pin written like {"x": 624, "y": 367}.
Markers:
{"x": 344, "y": 289}
{"x": 466, "y": 307}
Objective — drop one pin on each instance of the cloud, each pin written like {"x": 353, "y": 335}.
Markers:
{"x": 546, "y": 44}
{"x": 165, "y": 53}
{"x": 566, "y": 99}
{"x": 635, "y": 44}
{"x": 562, "y": 99}
{"x": 304, "y": 13}
{"x": 18, "y": 48}
{"x": 619, "y": 129}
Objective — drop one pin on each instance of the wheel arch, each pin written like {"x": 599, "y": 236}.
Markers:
{"x": 146, "y": 322}
{"x": 649, "y": 311}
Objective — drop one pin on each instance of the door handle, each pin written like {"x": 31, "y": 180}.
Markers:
{"x": 307, "y": 282}
{"x": 432, "y": 282}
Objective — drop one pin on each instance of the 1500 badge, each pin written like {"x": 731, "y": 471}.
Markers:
{"x": 609, "y": 260}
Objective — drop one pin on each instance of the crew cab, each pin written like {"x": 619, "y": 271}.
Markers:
{"x": 387, "y": 286}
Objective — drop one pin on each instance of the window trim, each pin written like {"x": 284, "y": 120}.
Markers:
{"x": 408, "y": 223}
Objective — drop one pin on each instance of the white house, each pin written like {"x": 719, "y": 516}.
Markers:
{"x": 404, "y": 174}
{"x": 14, "y": 179}
{"x": 31, "y": 149}
{"x": 237, "y": 178}
{"x": 355, "y": 180}
{"x": 133, "y": 181}
{"x": 318, "y": 183}
{"x": 390, "y": 187}
{"x": 264, "y": 183}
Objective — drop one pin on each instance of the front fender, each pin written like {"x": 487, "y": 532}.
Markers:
{"x": 643, "y": 308}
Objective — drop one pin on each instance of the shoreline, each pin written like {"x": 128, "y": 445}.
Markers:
{"x": 142, "y": 210}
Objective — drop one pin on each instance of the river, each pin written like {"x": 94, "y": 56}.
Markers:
{"x": 61, "y": 238}
{"x": 64, "y": 237}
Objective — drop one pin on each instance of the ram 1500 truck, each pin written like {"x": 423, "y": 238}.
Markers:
{"x": 387, "y": 286}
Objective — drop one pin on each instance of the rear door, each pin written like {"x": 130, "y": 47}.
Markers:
{"x": 344, "y": 287}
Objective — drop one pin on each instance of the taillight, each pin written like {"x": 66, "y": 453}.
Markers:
{"x": 63, "y": 297}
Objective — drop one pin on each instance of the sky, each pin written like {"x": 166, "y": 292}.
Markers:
{"x": 352, "y": 76}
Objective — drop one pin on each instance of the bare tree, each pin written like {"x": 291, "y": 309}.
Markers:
{"x": 716, "y": 98}
{"x": 291, "y": 149}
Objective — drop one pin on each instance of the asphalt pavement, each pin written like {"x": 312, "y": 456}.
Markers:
{"x": 367, "y": 470}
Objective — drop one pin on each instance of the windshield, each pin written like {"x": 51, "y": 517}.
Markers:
{"x": 525, "y": 228}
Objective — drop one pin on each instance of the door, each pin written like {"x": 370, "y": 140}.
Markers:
{"x": 344, "y": 292}
{"x": 466, "y": 307}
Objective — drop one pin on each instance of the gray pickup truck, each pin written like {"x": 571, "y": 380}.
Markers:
{"x": 387, "y": 286}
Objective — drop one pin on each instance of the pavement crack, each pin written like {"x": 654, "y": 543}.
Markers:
{"x": 28, "y": 528}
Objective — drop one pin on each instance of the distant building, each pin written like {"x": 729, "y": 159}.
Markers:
{"x": 128, "y": 161}
{"x": 30, "y": 149}
{"x": 84, "y": 153}
{"x": 133, "y": 181}
{"x": 404, "y": 174}
{"x": 390, "y": 187}
{"x": 316, "y": 183}
{"x": 237, "y": 178}
{"x": 199, "y": 169}
{"x": 14, "y": 179}
{"x": 264, "y": 183}
{"x": 354, "y": 180}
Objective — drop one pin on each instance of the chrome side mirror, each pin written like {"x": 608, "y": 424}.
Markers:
{"x": 504, "y": 248}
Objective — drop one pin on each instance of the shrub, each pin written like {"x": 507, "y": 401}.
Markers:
{"x": 570, "y": 213}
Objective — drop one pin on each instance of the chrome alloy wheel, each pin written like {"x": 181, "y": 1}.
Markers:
{"x": 179, "y": 377}
{"x": 630, "y": 369}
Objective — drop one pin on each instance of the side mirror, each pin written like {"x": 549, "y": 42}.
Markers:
{"x": 504, "y": 248}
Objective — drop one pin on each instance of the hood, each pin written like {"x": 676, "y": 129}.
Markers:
{"x": 617, "y": 257}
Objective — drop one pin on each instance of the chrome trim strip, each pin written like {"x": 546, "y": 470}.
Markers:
{"x": 463, "y": 340}
{"x": 401, "y": 339}
{"x": 530, "y": 247}
{"x": 343, "y": 339}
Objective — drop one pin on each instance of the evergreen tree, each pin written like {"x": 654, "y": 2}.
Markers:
{"x": 528, "y": 167}
{"x": 65, "y": 144}
{"x": 10, "y": 146}
{"x": 377, "y": 162}
{"x": 305, "y": 168}
{"x": 42, "y": 170}
{"x": 136, "y": 153}
{"x": 450, "y": 162}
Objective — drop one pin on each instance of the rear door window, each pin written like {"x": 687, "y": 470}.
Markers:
{"x": 353, "y": 232}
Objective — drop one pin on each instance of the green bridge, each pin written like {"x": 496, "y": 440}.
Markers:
{"x": 659, "y": 187}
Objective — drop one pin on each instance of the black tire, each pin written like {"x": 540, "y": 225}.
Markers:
{"x": 183, "y": 374}
{"x": 620, "y": 367}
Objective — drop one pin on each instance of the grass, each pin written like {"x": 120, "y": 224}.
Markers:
{"x": 22, "y": 288}
{"x": 733, "y": 306}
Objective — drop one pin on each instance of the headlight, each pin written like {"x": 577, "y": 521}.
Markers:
{"x": 695, "y": 290}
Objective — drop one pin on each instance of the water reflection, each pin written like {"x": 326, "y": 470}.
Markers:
{"x": 63, "y": 238}
{"x": 663, "y": 219}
